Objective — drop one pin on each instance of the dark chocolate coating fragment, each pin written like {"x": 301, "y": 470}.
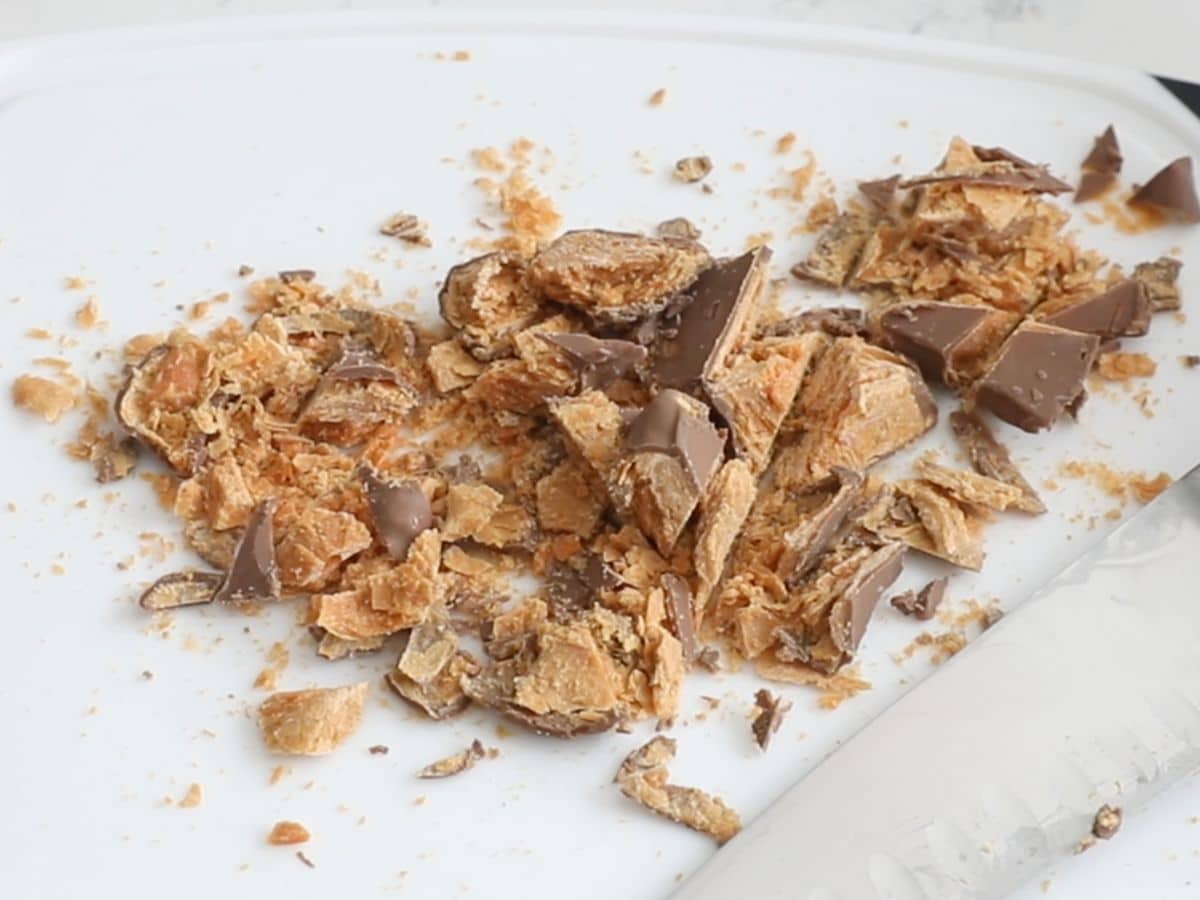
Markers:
{"x": 1037, "y": 375}
{"x": 598, "y": 362}
{"x": 923, "y": 604}
{"x": 1121, "y": 311}
{"x": 929, "y": 333}
{"x": 669, "y": 424}
{"x": 851, "y": 612}
{"x": 399, "y": 512}
{"x": 719, "y": 306}
{"x": 1173, "y": 190}
{"x": 254, "y": 573}
{"x": 680, "y": 614}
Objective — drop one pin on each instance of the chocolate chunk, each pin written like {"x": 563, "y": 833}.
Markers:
{"x": 941, "y": 337}
{"x": 989, "y": 456}
{"x": 1037, "y": 375}
{"x": 572, "y": 591}
{"x": 1016, "y": 173}
{"x": 253, "y": 574}
{"x": 719, "y": 310}
{"x": 835, "y": 321}
{"x": 824, "y": 510}
{"x": 180, "y": 589}
{"x": 771, "y": 710}
{"x": 599, "y": 362}
{"x": 1105, "y": 156}
{"x": 1121, "y": 311}
{"x": 680, "y": 614}
{"x": 851, "y": 612}
{"x": 1093, "y": 185}
{"x": 1161, "y": 280}
{"x": 488, "y": 299}
{"x": 1172, "y": 190}
{"x": 669, "y": 424}
{"x": 399, "y": 512}
{"x": 356, "y": 364}
{"x": 923, "y": 604}
{"x": 880, "y": 192}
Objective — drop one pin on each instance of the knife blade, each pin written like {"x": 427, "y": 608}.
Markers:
{"x": 995, "y": 766}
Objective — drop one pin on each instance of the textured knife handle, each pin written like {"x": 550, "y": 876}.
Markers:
{"x": 1187, "y": 92}
{"x": 995, "y": 766}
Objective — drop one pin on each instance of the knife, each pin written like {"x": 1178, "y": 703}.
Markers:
{"x": 995, "y": 767}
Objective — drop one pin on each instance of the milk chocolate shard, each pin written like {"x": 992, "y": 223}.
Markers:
{"x": 672, "y": 453}
{"x": 822, "y": 512}
{"x": 722, "y": 513}
{"x": 716, "y": 320}
{"x": 1093, "y": 185}
{"x": 990, "y": 458}
{"x": 643, "y": 778}
{"x": 488, "y": 299}
{"x": 681, "y": 614}
{"x": 755, "y": 392}
{"x": 1121, "y": 311}
{"x": 950, "y": 342}
{"x": 834, "y": 258}
{"x": 997, "y": 168}
{"x": 254, "y": 574}
{"x": 616, "y": 277}
{"x": 770, "y": 710}
{"x": 850, "y": 613}
{"x": 180, "y": 589}
{"x": 1161, "y": 281}
{"x": 1173, "y": 191}
{"x": 312, "y": 722}
{"x": 399, "y": 512}
{"x": 598, "y": 362}
{"x": 860, "y": 404}
{"x": 355, "y": 395}
{"x": 1105, "y": 155}
{"x": 881, "y": 192}
{"x": 924, "y": 603}
{"x": 1038, "y": 374}
{"x": 160, "y": 394}
{"x": 971, "y": 488}
{"x": 835, "y": 321}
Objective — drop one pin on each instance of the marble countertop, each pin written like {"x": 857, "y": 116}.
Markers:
{"x": 1156, "y": 35}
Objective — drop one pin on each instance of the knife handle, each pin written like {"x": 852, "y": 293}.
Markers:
{"x": 995, "y": 766}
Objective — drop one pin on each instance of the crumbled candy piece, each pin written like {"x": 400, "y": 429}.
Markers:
{"x": 691, "y": 169}
{"x": 643, "y": 778}
{"x": 284, "y": 833}
{"x": 488, "y": 299}
{"x": 47, "y": 398}
{"x": 180, "y": 589}
{"x": 613, "y": 276}
{"x": 312, "y": 722}
{"x": 991, "y": 459}
{"x": 923, "y": 603}
{"x": 407, "y": 228}
{"x": 456, "y": 763}
{"x": 770, "y": 710}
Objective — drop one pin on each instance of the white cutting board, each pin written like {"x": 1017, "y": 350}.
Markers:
{"x": 153, "y": 163}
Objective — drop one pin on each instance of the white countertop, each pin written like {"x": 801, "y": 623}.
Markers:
{"x": 1158, "y": 853}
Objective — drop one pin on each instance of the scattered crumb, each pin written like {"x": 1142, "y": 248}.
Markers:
{"x": 1118, "y": 366}
{"x": 88, "y": 315}
{"x": 658, "y": 97}
{"x": 47, "y": 398}
{"x": 378, "y": 750}
{"x": 278, "y": 773}
{"x": 461, "y": 56}
{"x": 304, "y": 859}
{"x": 691, "y": 169}
{"x": 286, "y": 832}
{"x": 1108, "y": 821}
{"x": 245, "y": 270}
{"x": 785, "y": 143}
{"x": 193, "y": 798}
